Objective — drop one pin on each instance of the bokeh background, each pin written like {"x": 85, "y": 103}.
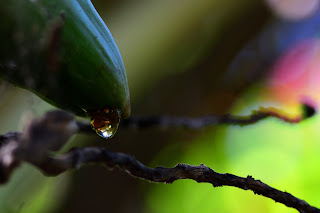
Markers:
{"x": 190, "y": 58}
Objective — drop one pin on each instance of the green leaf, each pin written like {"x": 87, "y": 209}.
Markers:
{"x": 63, "y": 52}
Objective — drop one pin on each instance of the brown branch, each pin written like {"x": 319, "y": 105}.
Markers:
{"x": 52, "y": 166}
{"x": 202, "y": 174}
{"x": 165, "y": 122}
{"x": 51, "y": 131}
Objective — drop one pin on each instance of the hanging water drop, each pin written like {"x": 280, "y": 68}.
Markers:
{"x": 105, "y": 122}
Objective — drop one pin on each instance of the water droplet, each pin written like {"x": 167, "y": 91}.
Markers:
{"x": 105, "y": 122}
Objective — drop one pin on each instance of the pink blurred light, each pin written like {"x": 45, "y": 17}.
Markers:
{"x": 295, "y": 77}
{"x": 293, "y": 9}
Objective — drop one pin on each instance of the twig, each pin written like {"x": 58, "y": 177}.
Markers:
{"x": 52, "y": 166}
{"x": 165, "y": 122}
{"x": 202, "y": 174}
{"x": 52, "y": 131}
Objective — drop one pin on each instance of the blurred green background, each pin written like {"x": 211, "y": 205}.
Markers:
{"x": 175, "y": 53}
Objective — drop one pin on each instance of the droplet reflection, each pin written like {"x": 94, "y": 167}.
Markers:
{"x": 105, "y": 122}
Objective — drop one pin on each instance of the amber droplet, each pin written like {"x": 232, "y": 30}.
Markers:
{"x": 105, "y": 122}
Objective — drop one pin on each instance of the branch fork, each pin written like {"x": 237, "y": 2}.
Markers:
{"x": 51, "y": 131}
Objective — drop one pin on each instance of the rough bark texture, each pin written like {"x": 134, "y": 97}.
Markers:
{"x": 51, "y": 131}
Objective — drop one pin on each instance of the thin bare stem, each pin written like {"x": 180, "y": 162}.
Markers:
{"x": 165, "y": 122}
{"x": 51, "y": 131}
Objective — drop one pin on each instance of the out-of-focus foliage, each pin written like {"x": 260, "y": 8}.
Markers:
{"x": 177, "y": 54}
{"x": 282, "y": 155}
{"x": 30, "y": 191}
{"x": 170, "y": 35}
